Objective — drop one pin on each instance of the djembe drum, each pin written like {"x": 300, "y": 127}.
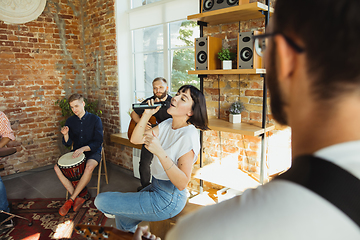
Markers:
{"x": 73, "y": 169}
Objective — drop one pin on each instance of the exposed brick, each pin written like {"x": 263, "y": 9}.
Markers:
{"x": 6, "y": 55}
{"x": 22, "y": 55}
{"x": 6, "y": 43}
{"x": 256, "y": 100}
{"x": 230, "y": 27}
{"x": 211, "y": 30}
{"x": 28, "y": 106}
{"x": 256, "y": 93}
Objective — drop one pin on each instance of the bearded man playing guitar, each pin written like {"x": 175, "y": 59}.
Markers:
{"x": 160, "y": 89}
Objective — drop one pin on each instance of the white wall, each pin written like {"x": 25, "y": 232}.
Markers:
{"x": 124, "y": 59}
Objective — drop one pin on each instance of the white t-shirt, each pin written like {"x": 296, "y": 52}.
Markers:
{"x": 279, "y": 210}
{"x": 175, "y": 143}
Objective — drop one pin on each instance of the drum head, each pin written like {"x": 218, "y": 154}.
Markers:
{"x": 67, "y": 160}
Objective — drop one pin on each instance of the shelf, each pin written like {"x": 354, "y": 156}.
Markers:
{"x": 250, "y": 129}
{"x": 227, "y": 177}
{"x": 232, "y": 14}
{"x": 232, "y": 71}
{"x": 122, "y": 138}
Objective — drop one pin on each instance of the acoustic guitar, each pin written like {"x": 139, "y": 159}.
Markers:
{"x": 99, "y": 232}
{"x": 132, "y": 125}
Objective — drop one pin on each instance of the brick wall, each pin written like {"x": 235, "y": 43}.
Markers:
{"x": 70, "y": 48}
{"x": 101, "y": 69}
{"x": 34, "y": 69}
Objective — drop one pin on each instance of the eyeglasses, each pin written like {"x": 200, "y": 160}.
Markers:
{"x": 260, "y": 43}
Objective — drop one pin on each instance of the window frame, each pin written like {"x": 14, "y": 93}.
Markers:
{"x": 167, "y": 60}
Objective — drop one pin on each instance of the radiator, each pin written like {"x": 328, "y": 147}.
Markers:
{"x": 136, "y": 160}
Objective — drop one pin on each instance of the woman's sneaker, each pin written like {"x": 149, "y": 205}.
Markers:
{"x": 109, "y": 215}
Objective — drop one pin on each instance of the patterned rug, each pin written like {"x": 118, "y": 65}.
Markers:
{"x": 47, "y": 222}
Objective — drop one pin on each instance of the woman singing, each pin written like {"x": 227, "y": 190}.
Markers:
{"x": 175, "y": 144}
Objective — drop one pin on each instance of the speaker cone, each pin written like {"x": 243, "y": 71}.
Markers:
{"x": 201, "y": 57}
{"x": 232, "y": 2}
{"x": 208, "y": 5}
{"x": 246, "y": 54}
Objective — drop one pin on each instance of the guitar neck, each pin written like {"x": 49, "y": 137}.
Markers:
{"x": 98, "y": 232}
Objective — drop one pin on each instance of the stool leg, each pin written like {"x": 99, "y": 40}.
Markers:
{"x": 105, "y": 168}
{"x": 99, "y": 178}
{"x": 12, "y": 216}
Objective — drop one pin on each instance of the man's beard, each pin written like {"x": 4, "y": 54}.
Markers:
{"x": 276, "y": 102}
{"x": 161, "y": 96}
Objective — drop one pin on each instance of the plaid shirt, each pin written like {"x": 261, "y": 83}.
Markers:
{"x": 5, "y": 128}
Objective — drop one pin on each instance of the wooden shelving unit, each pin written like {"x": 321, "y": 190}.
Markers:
{"x": 233, "y": 14}
{"x": 240, "y": 180}
{"x": 231, "y": 71}
{"x": 250, "y": 129}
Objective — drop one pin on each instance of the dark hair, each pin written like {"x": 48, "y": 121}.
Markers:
{"x": 199, "y": 118}
{"x": 75, "y": 96}
{"x": 159, "y": 79}
{"x": 330, "y": 32}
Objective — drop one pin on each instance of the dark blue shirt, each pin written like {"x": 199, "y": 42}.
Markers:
{"x": 87, "y": 131}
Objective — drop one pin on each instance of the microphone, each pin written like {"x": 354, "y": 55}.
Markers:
{"x": 146, "y": 106}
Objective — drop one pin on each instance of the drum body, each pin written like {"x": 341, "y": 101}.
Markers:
{"x": 72, "y": 168}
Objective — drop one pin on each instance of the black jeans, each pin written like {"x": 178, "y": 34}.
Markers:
{"x": 144, "y": 166}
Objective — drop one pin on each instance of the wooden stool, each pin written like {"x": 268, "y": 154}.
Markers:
{"x": 103, "y": 162}
{"x": 99, "y": 174}
{"x": 160, "y": 228}
{"x": 4, "y": 152}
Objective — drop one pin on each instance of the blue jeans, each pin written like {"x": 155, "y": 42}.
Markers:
{"x": 158, "y": 201}
{"x": 4, "y": 205}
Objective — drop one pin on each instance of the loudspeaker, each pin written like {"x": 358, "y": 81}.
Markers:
{"x": 206, "y": 50}
{"x": 210, "y": 5}
{"x": 247, "y": 56}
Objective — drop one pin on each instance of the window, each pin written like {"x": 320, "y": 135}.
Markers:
{"x": 165, "y": 50}
{"x": 138, "y": 3}
{"x": 136, "y": 49}
{"x": 182, "y": 53}
{"x": 148, "y": 55}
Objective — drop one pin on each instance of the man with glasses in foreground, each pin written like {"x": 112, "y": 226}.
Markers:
{"x": 313, "y": 73}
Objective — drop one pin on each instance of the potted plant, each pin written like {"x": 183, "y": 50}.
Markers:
{"x": 235, "y": 112}
{"x": 226, "y": 58}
